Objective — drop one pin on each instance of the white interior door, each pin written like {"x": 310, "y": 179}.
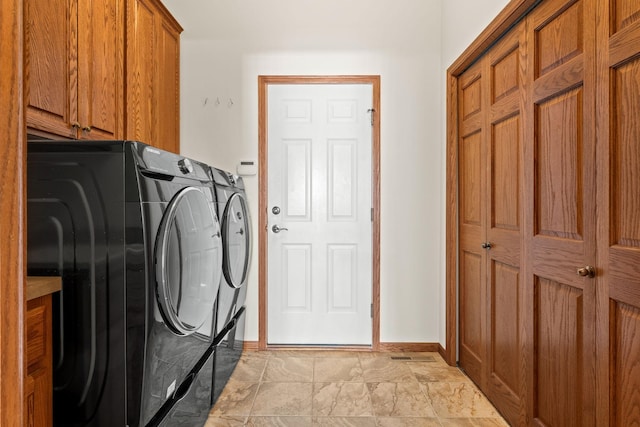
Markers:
{"x": 319, "y": 214}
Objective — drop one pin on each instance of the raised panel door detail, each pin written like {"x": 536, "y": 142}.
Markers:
{"x": 99, "y": 70}
{"x": 623, "y": 256}
{"x": 343, "y": 179}
{"x": 342, "y": 276}
{"x": 297, "y": 284}
{"x": 559, "y": 39}
{"x": 625, "y": 177}
{"x": 297, "y": 179}
{"x": 471, "y": 99}
{"x": 505, "y": 321}
{"x": 558, "y": 342}
{"x": 470, "y": 178}
{"x": 471, "y": 304}
{"x": 505, "y": 76}
{"x": 168, "y": 95}
{"x": 342, "y": 110}
{"x": 50, "y": 72}
{"x": 296, "y": 111}
{"x": 506, "y": 171}
{"x": 627, "y": 12}
{"x": 141, "y": 77}
{"x": 625, "y": 368}
{"x": 558, "y": 176}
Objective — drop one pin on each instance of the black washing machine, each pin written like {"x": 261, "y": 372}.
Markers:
{"x": 233, "y": 212}
{"x": 134, "y": 234}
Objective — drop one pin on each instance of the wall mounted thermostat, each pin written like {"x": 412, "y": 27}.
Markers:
{"x": 247, "y": 168}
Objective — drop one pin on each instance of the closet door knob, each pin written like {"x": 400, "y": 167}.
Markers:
{"x": 486, "y": 245}
{"x": 586, "y": 271}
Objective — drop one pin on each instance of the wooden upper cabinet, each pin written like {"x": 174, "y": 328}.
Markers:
{"x": 152, "y": 75}
{"x": 74, "y": 68}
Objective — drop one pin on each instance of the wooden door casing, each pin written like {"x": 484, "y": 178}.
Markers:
{"x": 12, "y": 236}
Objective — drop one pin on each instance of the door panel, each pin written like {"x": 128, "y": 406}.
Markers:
{"x": 559, "y": 348}
{"x": 142, "y": 83}
{"x": 100, "y": 68}
{"x": 50, "y": 71}
{"x": 490, "y": 200}
{"x": 472, "y": 314}
{"x": 472, "y": 258}
{"x": 562, "y": 232}
{"x": 622, "y": 255}
{"x": 319, "y": 201}
{"x": 504, "y": 224}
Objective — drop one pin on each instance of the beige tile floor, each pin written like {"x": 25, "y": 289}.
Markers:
{"x": 360, "y": 389}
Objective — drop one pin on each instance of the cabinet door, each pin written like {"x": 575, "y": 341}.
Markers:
{"x": 169, "y": 84}
{"x": 50, "y": 66}
{"x": 141, "y": 78}
{"x": 560, "y": 233}
{"x": 152, "y": 76}
{"x": 100, "y": 71}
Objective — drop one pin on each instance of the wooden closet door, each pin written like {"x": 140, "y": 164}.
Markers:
{"x": 504, "y": 221}
{"x": 472, "y": 224}
{"x": 560, "y": 235}
{"x": 619, "y": 238}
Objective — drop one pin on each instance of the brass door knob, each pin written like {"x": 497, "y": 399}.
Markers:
{"x": 586, "y": 271}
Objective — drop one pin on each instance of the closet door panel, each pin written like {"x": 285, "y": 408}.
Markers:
{"x": 472, "y": 258}
{"x": 561, "y": 236}
{"x": 559, "y": 363}
{"x": 504, "y": 224}
{"x": 623, "y": 254}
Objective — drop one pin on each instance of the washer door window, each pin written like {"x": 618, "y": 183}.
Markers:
{"x": 188, "y": 258}
{"x": 236, "y": 235}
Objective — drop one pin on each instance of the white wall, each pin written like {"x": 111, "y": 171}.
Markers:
{"x": 228, "y": 43}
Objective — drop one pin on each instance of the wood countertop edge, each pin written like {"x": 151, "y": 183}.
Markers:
{"x": 38, "y": 286}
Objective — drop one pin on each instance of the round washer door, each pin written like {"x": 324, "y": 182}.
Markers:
{"x": 236, "y": 235}
{"x": 188, "y": 256}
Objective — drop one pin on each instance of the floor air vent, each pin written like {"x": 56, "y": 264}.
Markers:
{"x": 414, "y": 359}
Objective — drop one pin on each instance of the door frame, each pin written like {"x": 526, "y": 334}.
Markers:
{"x": 263, "y": 87}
